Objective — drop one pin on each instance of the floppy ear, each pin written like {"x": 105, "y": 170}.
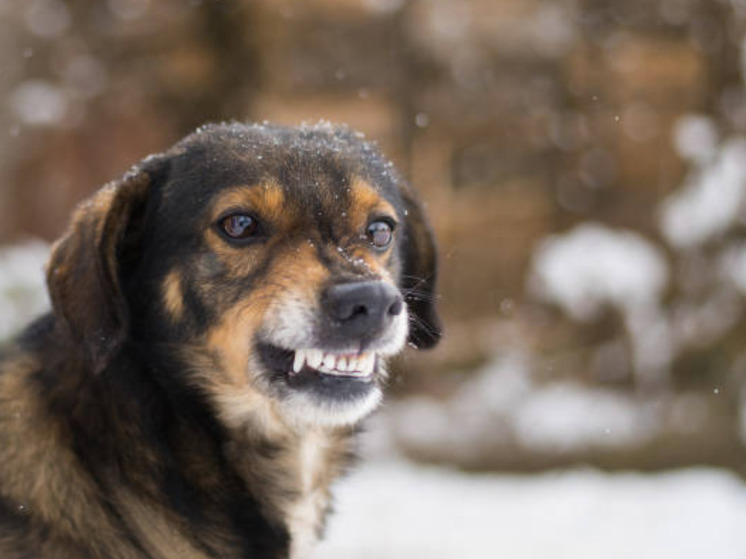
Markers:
{"x": 419, "y": 275}
{"x": 83, "y": 272}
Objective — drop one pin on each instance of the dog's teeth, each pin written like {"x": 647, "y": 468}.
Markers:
{"x": 366, "y": 361}
{"x": 314, "y": 358}
{"x": 300, "y": 359}
{"x": 330, "y": 362}
{"x": 361, "y": 365}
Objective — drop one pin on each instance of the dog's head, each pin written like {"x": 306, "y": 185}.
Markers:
{"x": 271, "y": 268}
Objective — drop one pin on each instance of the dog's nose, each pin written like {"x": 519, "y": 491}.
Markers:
{"x": 363, "y": 309}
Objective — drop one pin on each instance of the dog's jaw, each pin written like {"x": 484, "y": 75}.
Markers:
{"x": 322, "y": 397}
{"x": 317, "y": 386}
{"x": 305, "y": 411}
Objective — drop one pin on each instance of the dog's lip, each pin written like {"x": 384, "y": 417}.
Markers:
{"x": 360, "y": 366}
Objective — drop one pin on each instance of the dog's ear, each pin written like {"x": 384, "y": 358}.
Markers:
{"x": 419, "y": 274}
{"x": 83, "y": 272}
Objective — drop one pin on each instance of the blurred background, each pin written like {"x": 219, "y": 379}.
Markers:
{"x": 584, "y": 167}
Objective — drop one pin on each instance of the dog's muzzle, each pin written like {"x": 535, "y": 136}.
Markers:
{"x": 360, "y": 311}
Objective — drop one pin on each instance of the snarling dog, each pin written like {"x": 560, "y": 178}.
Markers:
{"x": 221, "y": 318}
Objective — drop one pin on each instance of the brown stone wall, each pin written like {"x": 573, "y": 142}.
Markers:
{"x": 546, "y": 110}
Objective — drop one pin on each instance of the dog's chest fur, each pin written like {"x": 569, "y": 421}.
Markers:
{"x": 293, "y": 477}
{"x": 304, "y": 516}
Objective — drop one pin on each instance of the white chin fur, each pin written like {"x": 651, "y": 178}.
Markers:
{"x": 303, "y": 409}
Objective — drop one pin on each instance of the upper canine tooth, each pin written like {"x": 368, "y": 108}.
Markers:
{"x": 352, "y": 364}
{"x": 314, "y": 358}
{"x": 300, "y": 359}
{"x": 342, "y": 364}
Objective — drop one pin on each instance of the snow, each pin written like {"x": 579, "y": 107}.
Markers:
{"x": 567, "y": 416}
{"x": 695, "y": 138}
{"x": 22, "y": 287}
{"x": 398, "y": 510}
{"x": 593, "y": 266}
{"x": 502, "y": 407}
{"x": 733, "y": 265}
{"x": 711, "y": 200}
{"x": 742, "y": 415}
{"x": 39, "y": 102}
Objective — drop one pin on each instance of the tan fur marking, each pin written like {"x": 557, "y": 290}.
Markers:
{"x": 249, "y": 407}
{"x": 173, "y": 297}
{"x": 364, "y": 201}
{"x": 267, "y": 200}
{"x": 302, "y": 271}
{"x": 231, "y": 342}
{"x": 232, "y": 386}
{"x": 273, "y": 200}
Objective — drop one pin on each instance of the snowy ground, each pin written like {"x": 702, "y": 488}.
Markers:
{"x": 396, "y": 510}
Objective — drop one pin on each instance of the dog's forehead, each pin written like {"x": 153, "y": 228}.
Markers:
{"x": 314, "y": 167}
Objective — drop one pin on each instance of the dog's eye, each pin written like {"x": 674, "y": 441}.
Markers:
{"x": 239, "y": 226}
{"x": 380, "y": 233}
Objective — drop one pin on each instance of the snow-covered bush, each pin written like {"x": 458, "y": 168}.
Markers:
{"x": 23, "y": 293}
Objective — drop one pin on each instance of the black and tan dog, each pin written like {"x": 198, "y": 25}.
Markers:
{"x": 221, "y": 319}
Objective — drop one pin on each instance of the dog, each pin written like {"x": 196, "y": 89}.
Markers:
{"x": 221, "y": 320}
